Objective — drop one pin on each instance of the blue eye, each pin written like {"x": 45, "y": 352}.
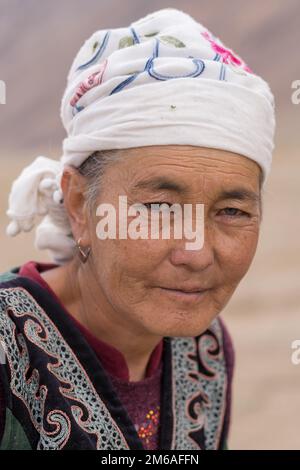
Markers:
{"x": 233, "y": 212}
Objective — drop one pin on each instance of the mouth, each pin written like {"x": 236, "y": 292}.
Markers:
{"x": 186, "y": 295}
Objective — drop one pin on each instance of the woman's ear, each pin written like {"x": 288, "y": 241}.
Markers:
{"x": 73, "y": 185}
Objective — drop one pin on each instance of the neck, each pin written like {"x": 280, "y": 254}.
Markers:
{"x": 83, "y": 297}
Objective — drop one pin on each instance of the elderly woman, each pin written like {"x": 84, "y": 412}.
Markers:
{"x": 118, "y": 343}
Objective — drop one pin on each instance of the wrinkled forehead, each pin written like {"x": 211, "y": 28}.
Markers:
{"x": 185, "y": 170}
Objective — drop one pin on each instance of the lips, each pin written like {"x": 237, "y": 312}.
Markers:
{"x": 186, "y": 290}
{"x": 189, "y": 296}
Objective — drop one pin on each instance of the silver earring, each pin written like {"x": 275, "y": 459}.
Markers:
{"x": 83, "y": 254}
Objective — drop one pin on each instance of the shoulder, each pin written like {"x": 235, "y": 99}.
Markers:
{"x": 8, "y": 275}
{"x": 15, "y": 292}
{"x": 8, "y": 279}
{"x": 227, "y": 344}
{"x": 12, "y": 279}
{"x": 229, "y": 356}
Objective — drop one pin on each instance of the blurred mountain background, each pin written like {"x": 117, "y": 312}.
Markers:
{"x": 38, "y": 41}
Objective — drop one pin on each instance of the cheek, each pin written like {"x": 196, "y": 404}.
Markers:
{"x": 129, "y": 264}
{"x": 236, "y": 254}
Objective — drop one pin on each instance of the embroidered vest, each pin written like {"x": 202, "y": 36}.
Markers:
{"x": 58, "y": 395}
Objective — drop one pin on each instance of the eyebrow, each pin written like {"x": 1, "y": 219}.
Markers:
{"x": 160, "y": 183}
{"x": 240, "y": 194}
{"x": 163, "y": 183}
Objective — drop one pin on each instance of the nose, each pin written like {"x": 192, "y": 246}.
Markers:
{"x": 195, "y": 259}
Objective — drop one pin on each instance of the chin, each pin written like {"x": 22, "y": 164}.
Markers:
{"x": 183, "y": 326}
{"x": 188, "y": 331}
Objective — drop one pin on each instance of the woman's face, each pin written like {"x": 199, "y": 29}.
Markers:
{"x": 138, "y": 277}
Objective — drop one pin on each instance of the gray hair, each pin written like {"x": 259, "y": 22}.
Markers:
{"x": 93, "y": 169}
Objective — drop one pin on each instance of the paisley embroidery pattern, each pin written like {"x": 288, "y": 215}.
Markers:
{"x": 200, "y": 383}
{"x": 40, "y": 330}
{"x": 30, "y": 392}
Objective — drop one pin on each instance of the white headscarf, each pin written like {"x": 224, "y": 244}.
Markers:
{"x": 164, "y": 80}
